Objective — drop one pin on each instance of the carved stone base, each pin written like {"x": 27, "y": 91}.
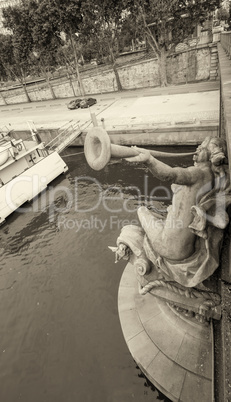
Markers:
{"x": 172, "y": 349}
{"x": 202, "y": 304}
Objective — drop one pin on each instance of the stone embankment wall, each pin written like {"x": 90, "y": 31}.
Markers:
{"x": 193, "y": 64}
{"x": 222, "y": 334}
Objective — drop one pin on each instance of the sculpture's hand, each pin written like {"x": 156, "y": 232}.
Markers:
{"x": 143, "y": 155}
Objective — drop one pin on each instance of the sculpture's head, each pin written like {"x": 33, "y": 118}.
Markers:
{"x": 212, "y": 149}
{"x": 216, "y": 149}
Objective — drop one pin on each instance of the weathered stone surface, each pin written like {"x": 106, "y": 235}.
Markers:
{"x": 170, "y": 344}
{"x": 198, "y": 358}
{"x": 126, "y": 298}
{"x": 223, "y": 348}
{"x": 185, "y": 66}
{"x": 168, "y": 376}
{"x": 203, "y": 64}
{"x": 173, "y": 353}
{"x": 100, "y": 83}
{"x": 143, "y": 348}
{"x": 130, "y": 322}
{"x": 143, "y": 74}
{"x": 196, "y": 388}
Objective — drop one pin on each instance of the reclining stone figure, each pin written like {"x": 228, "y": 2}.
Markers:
{"x": 184, "y": 246}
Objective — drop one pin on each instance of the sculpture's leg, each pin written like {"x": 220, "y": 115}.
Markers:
{"x": 153, "y": 225}
{"x": 168, "y": 237}
{"x": 157, "y": 215}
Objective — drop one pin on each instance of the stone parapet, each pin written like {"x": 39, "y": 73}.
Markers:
{"x": 222, "y": 333}
{"x": 225, "y": 69}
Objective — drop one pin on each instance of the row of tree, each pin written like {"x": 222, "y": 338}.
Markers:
{"x": 46, "y": 33}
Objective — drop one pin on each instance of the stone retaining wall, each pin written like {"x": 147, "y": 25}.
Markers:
{"x": 222, "y": 335}
{"x": 186, "y": 135}
{"x": 193, "y": 64}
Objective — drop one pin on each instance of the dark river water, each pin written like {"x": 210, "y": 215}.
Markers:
{"x": 60, "y": 335}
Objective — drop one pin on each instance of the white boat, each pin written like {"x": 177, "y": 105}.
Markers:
{"x": 26, "y": 168}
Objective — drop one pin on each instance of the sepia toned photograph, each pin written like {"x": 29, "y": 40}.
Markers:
{"x": 115, "y": 200}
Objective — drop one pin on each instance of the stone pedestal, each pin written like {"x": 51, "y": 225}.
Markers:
{"x": 172, "y": 350}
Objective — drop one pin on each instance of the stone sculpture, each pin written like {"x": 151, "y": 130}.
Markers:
{"x": 167, "y": 321}
{"x": 174, "y": 254}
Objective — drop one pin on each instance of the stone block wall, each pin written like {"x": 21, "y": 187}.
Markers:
{"x": 222, "y": 330}
{"x": 193, "y": 65}
{"x": 140, "y": 75}
{"x": 100, "y": 83}
{"x": 190, "y": 65}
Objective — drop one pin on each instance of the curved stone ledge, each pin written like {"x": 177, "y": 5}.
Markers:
{"x": 173, "y": 352}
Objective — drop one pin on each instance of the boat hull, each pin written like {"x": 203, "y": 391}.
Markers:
{"x": 27, "y": 185}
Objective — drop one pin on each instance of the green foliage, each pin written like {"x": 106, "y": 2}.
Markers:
{"x": 70, "y": 16}
{"x": 223, "y": 14}
{"x": 6, "y": 57}
{"x": 19, "y": 20}
{"x": 96, "y": 29}
{"x": 130, "y": 33}
{"x": 35, "y": 28}
{"x": 102, "y": 20}
{"x": 168, "y": 22}
{"x": 101, "y": 24}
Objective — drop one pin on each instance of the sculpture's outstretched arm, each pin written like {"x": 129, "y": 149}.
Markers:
{"x": 178, "y": 175}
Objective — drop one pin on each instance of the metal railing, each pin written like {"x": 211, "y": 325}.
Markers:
{"x": 65, "y": 137}
{"x": 225, "y": 39}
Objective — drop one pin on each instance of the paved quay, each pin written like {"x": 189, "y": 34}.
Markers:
{"x": 192, "y": 104}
